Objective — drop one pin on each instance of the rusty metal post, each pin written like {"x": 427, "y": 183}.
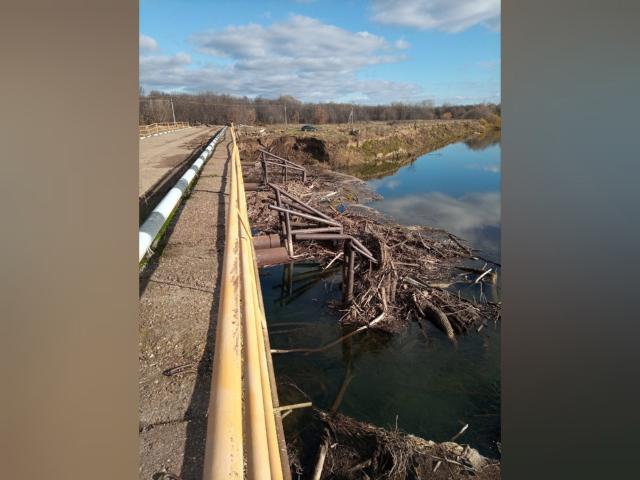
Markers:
{"x": 287, "y": 223}
{"x": 280, "y": 214}
{"x": 290, "y": 279}
{"x": 345, "y": 275}
{"x": 264, "y": 169}
{"x": 349, "y": 256}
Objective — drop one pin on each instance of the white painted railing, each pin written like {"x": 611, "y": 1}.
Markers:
{"x": 160, "y": 215}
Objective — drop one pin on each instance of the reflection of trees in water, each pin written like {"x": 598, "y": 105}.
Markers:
{"x": 485, "y": 141}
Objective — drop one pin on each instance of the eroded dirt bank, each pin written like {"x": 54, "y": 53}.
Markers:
{"x": 365, "y": 149}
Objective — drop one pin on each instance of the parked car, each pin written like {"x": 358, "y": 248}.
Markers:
{"x": 309, "y": 128}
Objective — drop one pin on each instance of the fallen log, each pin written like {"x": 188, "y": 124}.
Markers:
{"x": 436, "y": 315}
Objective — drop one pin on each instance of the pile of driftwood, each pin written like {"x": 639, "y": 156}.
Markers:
{"x": 350, "y": 449}
{"x": 415, "y": 266}
{"x": 362, "y": 450}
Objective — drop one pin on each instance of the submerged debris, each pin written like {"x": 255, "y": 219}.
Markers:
{"x": 415, "y": 268}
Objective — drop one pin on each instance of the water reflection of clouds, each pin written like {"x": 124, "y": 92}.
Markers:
{"x": 469, "y": 216}
{"x": 492, "y": 168}
{"x": 392, "y": 184}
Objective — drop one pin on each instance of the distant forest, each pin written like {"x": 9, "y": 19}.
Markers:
{"x": 213, "y": 108}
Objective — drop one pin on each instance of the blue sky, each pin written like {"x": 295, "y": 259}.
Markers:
{"x": 375, "y": 51}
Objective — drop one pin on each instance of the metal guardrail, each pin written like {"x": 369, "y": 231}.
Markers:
{"x": 155, "y": 129}
{"x": 244, "y": 433}
{"x": 160, "y": 215}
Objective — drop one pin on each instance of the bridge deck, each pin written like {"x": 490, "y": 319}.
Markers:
{"x": 177, "y": 320}
{"x": 158, "y": 155}
{"x": 208, "y": 411}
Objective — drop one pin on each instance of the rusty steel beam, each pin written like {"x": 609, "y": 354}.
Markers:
{"x": 292, "y": 167}
{"x": 286, "y": 160}
{"x": 325, "y": 236}
{"x": 297, "y": 200}
{"x": 338, "y": 236}
{"x": 361, "y": 246}
{"x": 266, "y": 241}
{"x": 285, "y": 201}
{"x": 272, "y": 256}
{"x": 316, "y": 230}
{"x": 252, "y": 187}
{"x": 342, "y": 237}
{"x": 304, "y": 225}
{"x": 306, "y": 215}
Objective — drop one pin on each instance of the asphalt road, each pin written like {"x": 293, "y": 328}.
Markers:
{"x": 160, "y": 154}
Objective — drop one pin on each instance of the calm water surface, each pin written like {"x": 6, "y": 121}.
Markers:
{"x": 423, "y": 384}
{"x": 456, "y": 188}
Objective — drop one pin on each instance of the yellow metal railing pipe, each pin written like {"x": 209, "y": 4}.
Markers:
{"x": 224, "y": 454}
{"x": 259, "y": 324}
{"x": 242, "y": 434}
{"x": 257, "y": 447}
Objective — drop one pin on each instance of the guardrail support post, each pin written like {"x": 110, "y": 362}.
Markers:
{"x": 348, "y": 280}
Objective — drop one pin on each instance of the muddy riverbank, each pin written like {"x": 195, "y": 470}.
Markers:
{"x": 365, "y": 149}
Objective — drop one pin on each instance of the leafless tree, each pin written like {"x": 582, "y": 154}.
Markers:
{"x": 213, "y": 108}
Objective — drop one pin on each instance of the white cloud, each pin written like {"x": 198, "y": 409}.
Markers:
{"x": 446, "y": 15}
{"x": 147, "y": 44}
{"x": 165, "y": 70}
{"x": 299, "y": 43}
{"x": 402, "y": 44}
{"x": 300, "y": 56}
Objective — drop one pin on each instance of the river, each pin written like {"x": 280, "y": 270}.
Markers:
{"x": 423, "y": 385}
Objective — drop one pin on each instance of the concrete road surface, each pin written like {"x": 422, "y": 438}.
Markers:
{"x": 160, "y": 154}
{"x": 179, "y": 301}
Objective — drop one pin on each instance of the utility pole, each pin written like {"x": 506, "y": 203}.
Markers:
{"x": 172, "y": 111}
{"x": 285, "y": 115}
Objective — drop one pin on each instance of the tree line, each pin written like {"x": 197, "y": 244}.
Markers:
{"x": 212, "y": 108}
